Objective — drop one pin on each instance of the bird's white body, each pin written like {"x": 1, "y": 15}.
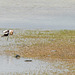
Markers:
{"x": 10, "y": 32}
{"x": 7, "y": 33}
{"x": 4, "y": 31}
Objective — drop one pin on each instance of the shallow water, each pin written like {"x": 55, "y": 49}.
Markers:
{"x": 13, "y": 42}
{"x": 7, "y": 43}
{"x": 41, "y": 14}
{"x": 10, "y": 64}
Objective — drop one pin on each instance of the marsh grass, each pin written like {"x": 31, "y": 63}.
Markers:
{"x": 37, "y": 43}
{"x": 46, "y": 45}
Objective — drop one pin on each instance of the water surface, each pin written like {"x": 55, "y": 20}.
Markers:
{"x": 41, "y": 14}
{"x": 9, "y": 64}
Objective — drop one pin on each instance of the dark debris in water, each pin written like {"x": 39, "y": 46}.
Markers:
{"x": 28, "y": 60}
{"x": 17, "y": 56}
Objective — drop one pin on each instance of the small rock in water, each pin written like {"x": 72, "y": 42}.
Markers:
{"x": 17, "y": 56}
{"x": 28, "y": 60}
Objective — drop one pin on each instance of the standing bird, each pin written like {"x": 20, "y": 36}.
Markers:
{"x": 7, "y": 33}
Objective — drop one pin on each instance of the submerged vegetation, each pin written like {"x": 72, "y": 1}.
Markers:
{"x": 42, "y": 44}
{"x": 47, "y": 45}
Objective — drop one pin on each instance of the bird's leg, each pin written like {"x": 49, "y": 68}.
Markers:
{"x": 7, "y": 37}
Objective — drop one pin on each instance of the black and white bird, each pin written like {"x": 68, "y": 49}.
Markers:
{"x": 7, "y": 33}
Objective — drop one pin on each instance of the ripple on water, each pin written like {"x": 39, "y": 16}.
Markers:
{"x": 10, "y": 64}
